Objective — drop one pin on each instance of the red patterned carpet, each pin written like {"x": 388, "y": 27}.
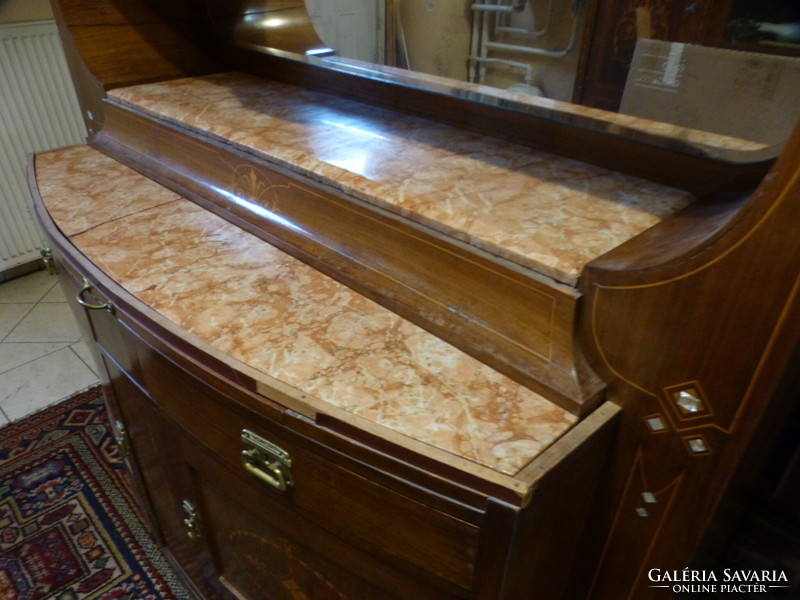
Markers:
{"x": 68, "y": 526}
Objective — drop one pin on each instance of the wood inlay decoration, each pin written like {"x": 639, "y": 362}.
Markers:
{"x": 514, "y": 347}
{"x": 728, "y": 354}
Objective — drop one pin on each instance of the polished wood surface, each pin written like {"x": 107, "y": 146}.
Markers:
{"x": 126, "y": 42}
{"x": 364, "y": 518}
{"x": 510, "y": 318}
{"x": 110, "y": 44}
{"x": 705, "y": 303}
{"x": 278, "y": 24}
{"x": 723, "y": 318}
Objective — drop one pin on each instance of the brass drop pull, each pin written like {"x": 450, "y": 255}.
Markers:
{"x": 87, "y": 287}
{"x": 265, "y": 460}
{"x": 194, "y": 528}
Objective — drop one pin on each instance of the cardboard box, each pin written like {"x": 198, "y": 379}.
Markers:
{"x": 742, "y": 94}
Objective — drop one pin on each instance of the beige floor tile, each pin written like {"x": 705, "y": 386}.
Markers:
{"x": 56, "y": 294}
{"x": 11, "y": 315}
{"x": 12, "y": 355}
{"x": 46, "y": 323}
{"x": 82, "y": 350}
{"x": 30, "y": 288}
{"x": 42, "y": 382}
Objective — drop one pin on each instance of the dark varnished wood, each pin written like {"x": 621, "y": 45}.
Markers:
{"x": 113, "y": 44}
{"x": 353, "y": 526}
{"x": 151, "y": 439}
{"x": 707, "y": 298}
{"x": 722, "y": 315}
{"x": 266, "y": 550}
{"x": 123, "y": 43}
{"x": 280, "y": 24}
{"x": 386, "y": 523}
{"x": 551, "y": 492}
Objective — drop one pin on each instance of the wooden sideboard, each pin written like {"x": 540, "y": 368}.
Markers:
{"x": 258, "y": 500}
{"x": 511, "y": 350}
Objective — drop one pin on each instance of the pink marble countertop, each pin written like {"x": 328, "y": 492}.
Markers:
{"x": 288, "y": 321}
{"x": 550, "y": 214}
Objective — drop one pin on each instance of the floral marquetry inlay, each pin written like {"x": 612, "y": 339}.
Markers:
{"x": 254, "y": 185}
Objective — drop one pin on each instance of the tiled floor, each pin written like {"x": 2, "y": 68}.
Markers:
{"x": 42, "y": 357}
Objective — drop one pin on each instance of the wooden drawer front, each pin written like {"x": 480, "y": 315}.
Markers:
{"x": 117, "y": 341}
{"x": 264, "y": 549}
{"x": 429, "y": 543}
{"x": 105, "y": 328}
{"x": 70, "y": 283}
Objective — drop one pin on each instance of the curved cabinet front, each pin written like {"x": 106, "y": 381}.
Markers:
{"x": 333, "y": 533}
{"x": 255, "y": 500}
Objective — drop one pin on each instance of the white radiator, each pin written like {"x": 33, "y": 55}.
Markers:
{"x": 38, "y": 111}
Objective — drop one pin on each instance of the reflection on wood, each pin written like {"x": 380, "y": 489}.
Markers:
{"x": 419, "y": 471}
{"x": 282, "y": 25}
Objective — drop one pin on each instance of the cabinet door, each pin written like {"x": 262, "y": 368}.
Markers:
{"x": 264, "y": 549}
{"x": 155, "y": 463}
{"x": 389, "y": 520}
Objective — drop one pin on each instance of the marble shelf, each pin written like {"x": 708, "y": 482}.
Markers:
{"x": 284, "y": 319}
{"x": 542, "y": 212}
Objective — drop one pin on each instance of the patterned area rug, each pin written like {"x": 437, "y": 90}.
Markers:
{"x": 69, "y": 529}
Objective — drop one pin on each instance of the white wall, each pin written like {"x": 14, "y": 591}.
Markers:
{"x": 437, "y": 34}
{"x": 353, "y": 28}
{"x": 555, "y": 76}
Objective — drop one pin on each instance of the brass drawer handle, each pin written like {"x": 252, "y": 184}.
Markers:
{"x": 87, "y": 287}
{"x": 266, "y": 461}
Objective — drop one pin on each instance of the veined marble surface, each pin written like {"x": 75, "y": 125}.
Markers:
{"x": 287, "y": 320}
{"x": 546, "y": 213}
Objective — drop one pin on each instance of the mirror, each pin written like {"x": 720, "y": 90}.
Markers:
{"x": 524, "y": 45}
{"x": 522, "y": 55}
